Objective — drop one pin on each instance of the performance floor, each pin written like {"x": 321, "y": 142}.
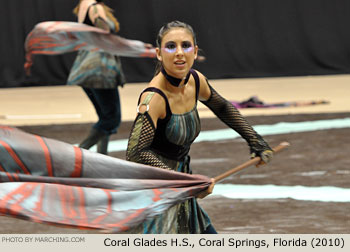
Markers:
{"x": 295, "y": 193}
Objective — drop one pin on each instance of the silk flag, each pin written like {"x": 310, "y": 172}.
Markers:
{"x": 59, "y": 37}
{"x": 46, "y": 180}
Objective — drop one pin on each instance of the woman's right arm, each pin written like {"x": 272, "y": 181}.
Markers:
{"x": 151, "y": 108}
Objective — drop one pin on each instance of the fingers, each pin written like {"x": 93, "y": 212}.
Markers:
{"x": 211, "y": 187}
{"x": 260, "y": 164}
{"x": 253, "y": 155}
{"x": 209, "y": 190}
{"x": 266, "y": 156}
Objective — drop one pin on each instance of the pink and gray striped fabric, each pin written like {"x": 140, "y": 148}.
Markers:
{"x": 59, "y": 37}
{"x": 49, "y": 181}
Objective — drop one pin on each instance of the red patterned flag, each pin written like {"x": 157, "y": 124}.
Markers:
{"x": 49, "y": 181}
{"x": 58, "y": 37}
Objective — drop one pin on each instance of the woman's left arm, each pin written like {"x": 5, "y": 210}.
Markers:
{"x": 230, "y": 115}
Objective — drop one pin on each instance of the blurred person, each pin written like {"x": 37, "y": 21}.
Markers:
{"x": 167, "y": 123}
{"x": 99, "y": 73}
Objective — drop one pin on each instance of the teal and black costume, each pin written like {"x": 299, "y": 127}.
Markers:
{"x": 168, "y": 145}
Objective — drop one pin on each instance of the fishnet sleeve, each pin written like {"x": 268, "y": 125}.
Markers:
{"x": 230, "y": 115}
{"x": 140, "y": 140}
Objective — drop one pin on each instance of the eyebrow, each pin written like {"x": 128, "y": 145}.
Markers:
{"x": 171, "y": 41}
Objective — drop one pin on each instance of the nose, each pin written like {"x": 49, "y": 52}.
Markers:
{"x": 179, "y": 50}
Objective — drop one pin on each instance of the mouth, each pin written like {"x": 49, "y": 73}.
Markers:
{"x": 180, "y": 63}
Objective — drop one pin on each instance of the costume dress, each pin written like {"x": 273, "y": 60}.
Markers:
{"x": 169, "y": 149}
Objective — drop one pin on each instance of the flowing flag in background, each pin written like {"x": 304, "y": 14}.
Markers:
{"x": 59, "y": 37}
{"x": 49, "y": 181}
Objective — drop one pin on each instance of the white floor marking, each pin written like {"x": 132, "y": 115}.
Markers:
{"x": 274, "y": 129}
{"x": 322, "y": 193}
{"x": 48, "y": 116}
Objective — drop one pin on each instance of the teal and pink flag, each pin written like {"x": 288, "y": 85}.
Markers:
{"x": 49, "y": 181}
{"x": 59, "y": 37}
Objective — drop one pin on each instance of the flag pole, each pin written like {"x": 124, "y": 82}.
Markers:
{"x": 251, "y": 162}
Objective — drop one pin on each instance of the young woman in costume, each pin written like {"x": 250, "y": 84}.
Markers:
{"x": 167, "y": 123}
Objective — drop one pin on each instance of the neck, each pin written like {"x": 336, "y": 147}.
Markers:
{"x": 176, "y": 82}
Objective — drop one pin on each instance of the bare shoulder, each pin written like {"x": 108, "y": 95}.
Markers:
{"x": 156, "y": 105}
{"x": 200, "y": 75}
{"x": 204, "y": 90}
{"x": 155, "y": 100}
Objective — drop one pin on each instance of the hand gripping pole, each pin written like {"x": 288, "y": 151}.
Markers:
{"x": 251, "y": 162}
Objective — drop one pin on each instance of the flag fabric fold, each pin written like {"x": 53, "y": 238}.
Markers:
{"x": 59, "y": 37}
{"x": 50, "y": 181}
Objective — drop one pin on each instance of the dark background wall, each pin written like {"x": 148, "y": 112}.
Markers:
{"x": 240, "y": 38}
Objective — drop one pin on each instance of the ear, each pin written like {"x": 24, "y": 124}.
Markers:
{"x": 159, "y": 56}
{"x": 195, "y": 52}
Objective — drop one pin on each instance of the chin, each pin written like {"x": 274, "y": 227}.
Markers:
{"x": 182, "y": 71}
{"x": 177, "y": 73}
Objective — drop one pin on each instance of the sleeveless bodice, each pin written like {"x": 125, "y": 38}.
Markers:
{"x": 176, "y": 132}
{"x": 182, "y": 129}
